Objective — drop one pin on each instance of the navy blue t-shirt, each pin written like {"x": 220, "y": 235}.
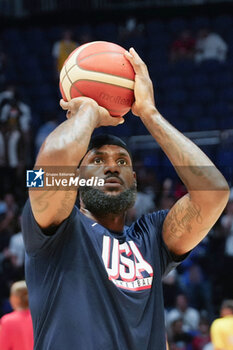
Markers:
{"x": 94, "y": 289}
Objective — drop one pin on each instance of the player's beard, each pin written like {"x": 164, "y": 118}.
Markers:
{"x": 100, "y": 203}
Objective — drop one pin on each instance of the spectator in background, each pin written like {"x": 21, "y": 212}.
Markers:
{"x": 15, "y": 138}
{"x": 203, "y": 336}
{"x": 144, "y": 204}
{"x": 210, "y": 46}
{"x": 16, "y": 332}
{"x": 197, "y": 286}
{"x": 15, "y": 252}
{"x": 166, "y": 198}
{"x": 7, "y": 220}
{"x": 12, "y": 150}
{"x": 189, "y": 315}
{"x": 170, "y": 289}
{"x": 222, "y": 328}
{"x": 10, "y": 102}
{"x": 166, "y": 202}
{"x": 14, "y": 113}
{"x": 13, "y": 104}
{"x": 183, "y": 47}
{"x": 178, "y": 338}
{"x": 62, "y": 49}
{"x": 130, "y": 29}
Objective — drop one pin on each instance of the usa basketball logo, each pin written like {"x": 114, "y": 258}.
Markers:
{"x": 125, "y": 265}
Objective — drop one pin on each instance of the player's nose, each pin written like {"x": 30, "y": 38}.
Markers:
{"x": 111, "y": 167}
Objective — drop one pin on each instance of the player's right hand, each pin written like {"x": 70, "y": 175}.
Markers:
{"x": 101, "y": 115}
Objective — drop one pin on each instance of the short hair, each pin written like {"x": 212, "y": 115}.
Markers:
{"x": 20, "y": 290}
{"x": 227, "y": 304}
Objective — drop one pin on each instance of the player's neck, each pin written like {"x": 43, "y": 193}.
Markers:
{"x": 114, "y": 222}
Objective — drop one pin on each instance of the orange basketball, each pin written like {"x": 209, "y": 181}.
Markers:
{"x": 100, "y": 71}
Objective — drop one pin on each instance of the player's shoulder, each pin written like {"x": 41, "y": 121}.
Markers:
{"x": 155, "y": 218}
{"x": 148, "y": 223}
{"x": 29, "y": 222}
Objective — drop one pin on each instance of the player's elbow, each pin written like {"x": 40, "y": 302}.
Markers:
{"x": 219, "y": 197}
{"x": 215, "y": 194}
{"x": 223, "y": 190}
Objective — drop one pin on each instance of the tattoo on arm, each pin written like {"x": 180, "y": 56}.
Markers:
{"x": 42, "y": 202}
{"x": 66, "y": 203}
{"x": 181, "y": 218}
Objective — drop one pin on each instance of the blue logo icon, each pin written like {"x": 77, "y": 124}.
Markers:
{"x": 35, "y": 178}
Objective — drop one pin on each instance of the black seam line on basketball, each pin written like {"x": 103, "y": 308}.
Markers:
{"x": 71, "y": 84}
{"x": 76, "y": 90}
{"x": 103, "y": 82}
{"x": 66, "y": 75}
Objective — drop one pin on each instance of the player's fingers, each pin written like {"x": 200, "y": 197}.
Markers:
{"x": 134, "y": 110}
{"x": 64, "y": 104}
{"x": 136, "y": 61}
{"x": 68, "y": 114}
{"x": 117, "y": 121}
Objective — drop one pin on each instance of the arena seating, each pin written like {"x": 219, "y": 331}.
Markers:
{"x": 193, "y": 97}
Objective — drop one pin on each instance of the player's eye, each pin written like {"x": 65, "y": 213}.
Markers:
{"x": 122, "y": 162}
{"x": 98, "y": 161}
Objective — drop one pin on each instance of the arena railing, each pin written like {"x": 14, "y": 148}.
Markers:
{"x": 201, "y": 138}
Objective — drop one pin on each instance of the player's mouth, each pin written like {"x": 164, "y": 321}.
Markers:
{"x": 113, "y": 182}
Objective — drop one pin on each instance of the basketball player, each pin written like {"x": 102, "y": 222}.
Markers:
{"x": 93, "y": 283}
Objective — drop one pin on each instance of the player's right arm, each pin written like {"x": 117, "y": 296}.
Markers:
{"x": 64, "y": 147}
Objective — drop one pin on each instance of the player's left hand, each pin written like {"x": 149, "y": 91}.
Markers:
{"x": 143, "y": 88}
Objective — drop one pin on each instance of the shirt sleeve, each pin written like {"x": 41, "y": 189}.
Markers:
{"x": 35, "y": 240}
{"x": 168, "y": 260}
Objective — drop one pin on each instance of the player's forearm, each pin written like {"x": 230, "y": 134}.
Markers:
{"x": 68, "y": 143}
{"x": 194, "y": 168}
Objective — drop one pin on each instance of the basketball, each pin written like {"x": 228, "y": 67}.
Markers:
{"x": 99, "y": 70}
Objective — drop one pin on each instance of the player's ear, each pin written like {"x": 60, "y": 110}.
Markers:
{"x": 135, "y": 176}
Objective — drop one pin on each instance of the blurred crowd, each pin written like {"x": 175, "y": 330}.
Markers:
{"x": 204, "y": 46}
{"x": 194, "y": 292}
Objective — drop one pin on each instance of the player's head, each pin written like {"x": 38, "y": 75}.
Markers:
{"x": 19, "y": 295}
{"x": 108, "y": 158}
{"x": 226, "y": 308}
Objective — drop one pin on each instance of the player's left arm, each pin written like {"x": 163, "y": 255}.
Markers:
{"x": 191, "y": 218}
